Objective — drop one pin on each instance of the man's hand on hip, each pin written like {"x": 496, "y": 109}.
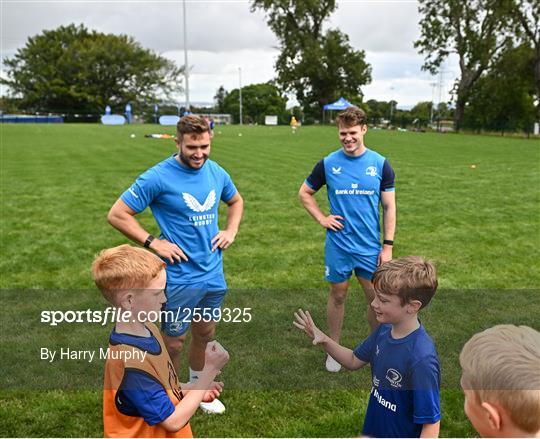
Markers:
{"x": 331, "y": 222}
{"x": 168, "y": 250}
{"x": 385, "y": 255}
{"x": 223, "y": 240}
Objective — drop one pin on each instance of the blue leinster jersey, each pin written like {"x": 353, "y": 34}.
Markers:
{"x": 354, "y": 186}
{"x": 184, "y": 202}
{"x": 406, "y": 382}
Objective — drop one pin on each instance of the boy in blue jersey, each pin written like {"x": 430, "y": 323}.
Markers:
{"x": 183, "y": 193}
{"x": 357, "y": 180}
{"x": 404, "y": 399}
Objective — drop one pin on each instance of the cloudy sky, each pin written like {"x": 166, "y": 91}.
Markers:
{"x": 223, "y": 36}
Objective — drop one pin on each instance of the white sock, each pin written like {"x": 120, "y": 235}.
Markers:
{"x": 194, "y": 375}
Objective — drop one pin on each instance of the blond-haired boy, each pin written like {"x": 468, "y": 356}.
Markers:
{"x": 142, "y": 396}
{"x": 501, "y": 381}
{"x": 404, "y": 399}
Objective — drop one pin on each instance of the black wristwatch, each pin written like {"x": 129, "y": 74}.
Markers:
{"x": 148, "y": 241}
{"x": 388, "y": 242}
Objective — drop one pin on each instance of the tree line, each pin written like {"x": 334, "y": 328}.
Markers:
{"x": 497, "y": 43}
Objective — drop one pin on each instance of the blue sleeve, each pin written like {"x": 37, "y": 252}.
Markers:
{"x": 143, "y": 191}
{"x": 317, "y": 178}
{"x": 229, "y": 189}
{"x": 388, "y": 177}
{"x": 426, "y": 385}
{"x": 142, "y": 395}
{"x": 364, "y": 351}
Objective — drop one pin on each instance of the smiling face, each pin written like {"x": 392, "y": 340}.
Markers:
{"x": 194, "y": 149}
{"x": 352, "y": 139}
{"x": 388, "y": 308}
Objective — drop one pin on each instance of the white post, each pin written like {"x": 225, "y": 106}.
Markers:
{"x": 433, "y": 85}
{"x": 240, "y": 91}
{"x": 186, "y": 66}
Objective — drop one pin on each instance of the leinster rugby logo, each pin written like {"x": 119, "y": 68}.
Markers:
{"x": 195, "y": 206}
{"x": 394, "y": 377}
{"x": 371, "y": 171}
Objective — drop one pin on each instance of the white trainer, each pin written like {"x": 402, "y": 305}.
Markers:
{"x": 215, "y": 407}
{"x": 332, "y": 365}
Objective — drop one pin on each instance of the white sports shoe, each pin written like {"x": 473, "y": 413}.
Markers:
{"x": 332, "y": 365}
{"x": 215, "y": 407}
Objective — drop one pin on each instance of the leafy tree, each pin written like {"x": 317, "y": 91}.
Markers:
{"x": 443, "y": 111}
{"x": 9, "y": 105}
{"x": 219, "y": 99}
{"x": 472, "y": 29}
{"x": 258, "y": 100}
{"x": 377, "y": 110}
{"x": 74, "y": 69}
{"x": 503, "y": 99}
{"x": 421, "y": 112}
{"x": 319, "y": 67}
{"x": 526, "y": 18}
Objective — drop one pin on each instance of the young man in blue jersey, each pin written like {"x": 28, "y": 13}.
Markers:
{"x": 183, "y": 193}
{"x": 404, "y": 399}
{"x": 357, "y": 180}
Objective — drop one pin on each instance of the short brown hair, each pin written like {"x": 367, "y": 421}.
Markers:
{"x": 501, "y": 364}
{"x": 124, "y": 268}
{"x": 351, "y": 117}
{"x": 191, "y": 124}
{"x": 409, "y": 277}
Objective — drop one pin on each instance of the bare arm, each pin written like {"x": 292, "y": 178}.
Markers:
{"x": 341, "y": 354}
{"x": 122, "y": 218}
{"x": 310, "y": 204}
{"x": 431, "y": 430}
{"x": 189, "y": 404}
{"x": 388, "y": 202}
{"x": 235, "y": 210}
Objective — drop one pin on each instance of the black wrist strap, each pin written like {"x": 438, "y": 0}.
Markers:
{"x": 148, "y": 241}
{"x": 388, "y": 242}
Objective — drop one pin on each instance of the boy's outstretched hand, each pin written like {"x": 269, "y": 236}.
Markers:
{"x": 305, "y": 323}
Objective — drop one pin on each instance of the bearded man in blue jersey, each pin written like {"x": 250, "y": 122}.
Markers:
{"x": 357, "y": 180}
{"x": 183, "y": 192}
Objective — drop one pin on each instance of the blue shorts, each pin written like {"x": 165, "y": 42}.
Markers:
{"x": 182, "y": 299}
{"x": 339, "y": 264}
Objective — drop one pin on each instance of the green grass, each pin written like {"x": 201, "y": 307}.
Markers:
{"x": 480, "y": 225}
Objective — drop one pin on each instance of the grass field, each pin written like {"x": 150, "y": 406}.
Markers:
{"x": 481, "y": 226}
